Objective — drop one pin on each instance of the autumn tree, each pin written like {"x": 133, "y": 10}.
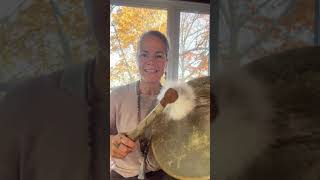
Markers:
{"x": 127, "y": 25}
{"x": 194, "y": 45}
{"x": 39, "y": 37}
{"x": 255, "y": 28}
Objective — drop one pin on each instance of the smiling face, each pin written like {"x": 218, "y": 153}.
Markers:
{"x": 152, "y": 59}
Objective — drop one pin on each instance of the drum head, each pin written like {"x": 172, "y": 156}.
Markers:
{"x": 182, "y": 148}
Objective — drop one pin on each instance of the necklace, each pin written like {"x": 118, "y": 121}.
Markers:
{"x": 144, "y": 141}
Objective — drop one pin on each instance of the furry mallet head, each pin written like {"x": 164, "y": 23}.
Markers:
{"x": 170, "y": 96}
{"x": 185, "y": 102}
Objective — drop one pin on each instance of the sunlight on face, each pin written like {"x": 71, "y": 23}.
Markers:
{"x": 152, "y": 59}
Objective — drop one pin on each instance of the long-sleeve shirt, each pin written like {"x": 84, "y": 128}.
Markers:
{"x": 123, "y": 119}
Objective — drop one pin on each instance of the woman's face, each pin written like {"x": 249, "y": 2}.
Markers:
{"x": 152, "y": 59}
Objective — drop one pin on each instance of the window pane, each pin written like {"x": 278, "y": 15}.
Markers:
{"x": 127, "y": 25}
{"x": 41, "y": 37}
{"x": 265, "y": 28}
{"x": 193, "y": 45}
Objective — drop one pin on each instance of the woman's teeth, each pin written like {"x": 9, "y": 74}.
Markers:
{"x": 150, "y": 70}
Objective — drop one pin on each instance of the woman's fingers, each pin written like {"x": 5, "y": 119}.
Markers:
{"x": 125, "y": 149}
{"x": 120, "y": 151}
{"x": 121, "y": 146}
{"x": 116, "y": 153}
{"x": 127, "y": 141}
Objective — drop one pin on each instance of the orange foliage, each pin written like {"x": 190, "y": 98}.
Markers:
{"x": 34, "y": 33}
{"x": 128, "y": 25}
{"x": 302, "y": 14}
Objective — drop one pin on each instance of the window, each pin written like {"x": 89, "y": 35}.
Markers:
{"x": 186, "y": 25}
{"x": 127, "y": 24}
{"x": 193, "y": 45}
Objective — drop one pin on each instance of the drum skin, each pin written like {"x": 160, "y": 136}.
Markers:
{"x": 267, "y": 125}
{"x": 291, "y": 80}
{"x": 182, "y": 148}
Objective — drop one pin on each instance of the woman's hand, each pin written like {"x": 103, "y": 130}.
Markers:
{"x": 121, "y": 145}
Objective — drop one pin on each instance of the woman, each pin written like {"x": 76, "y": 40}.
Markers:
{"x": 129, "y": 104}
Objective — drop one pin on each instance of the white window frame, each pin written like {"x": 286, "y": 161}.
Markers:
{"x": 173, "y": 24}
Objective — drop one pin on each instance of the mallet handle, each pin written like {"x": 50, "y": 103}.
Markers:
{"x": 170, "y": 96}
{"x": 134, "y": 134}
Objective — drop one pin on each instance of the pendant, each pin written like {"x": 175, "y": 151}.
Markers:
{"x": 141, "y": 170}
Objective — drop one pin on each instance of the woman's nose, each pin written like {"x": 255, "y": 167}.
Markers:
{"x": 151, "y": 59}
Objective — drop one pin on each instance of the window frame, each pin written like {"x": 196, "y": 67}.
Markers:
{"x": 174, "y": 8}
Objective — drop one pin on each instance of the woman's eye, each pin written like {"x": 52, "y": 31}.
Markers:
{"x": 159, "y": 56}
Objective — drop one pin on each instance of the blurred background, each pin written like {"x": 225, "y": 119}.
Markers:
{"x": 39, "y": 37}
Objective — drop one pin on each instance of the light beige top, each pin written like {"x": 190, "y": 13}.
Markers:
{"x": 123, "y": 118}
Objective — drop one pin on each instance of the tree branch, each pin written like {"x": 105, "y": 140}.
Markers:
{"x": 199, "y": 31}
{"x": 63, "y": 39}
{"x": 122, "y": 52}
{"x": 5, "y": 18}
{"x": 186, "y": 31}
{"x": 225, "y": 12}
{"x": 250, "y": 16}
{"x": 193, "y": 49}
{"x": 266, "y": 34}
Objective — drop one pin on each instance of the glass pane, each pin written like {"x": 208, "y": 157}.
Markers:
{"x": 127, "y": 25}
{"x": 193, "y": 45}
{"x": 262, "y": 28}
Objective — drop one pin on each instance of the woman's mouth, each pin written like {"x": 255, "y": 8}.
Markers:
{"x": 151, "y": 70}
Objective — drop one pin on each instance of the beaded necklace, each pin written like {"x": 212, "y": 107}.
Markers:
{"x": 144, "y": 141}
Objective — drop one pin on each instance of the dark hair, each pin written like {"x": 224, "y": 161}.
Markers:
{"x": 157, "y": 34}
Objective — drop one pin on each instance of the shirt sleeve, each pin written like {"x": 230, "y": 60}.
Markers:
{"x": 113, "y": 112}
